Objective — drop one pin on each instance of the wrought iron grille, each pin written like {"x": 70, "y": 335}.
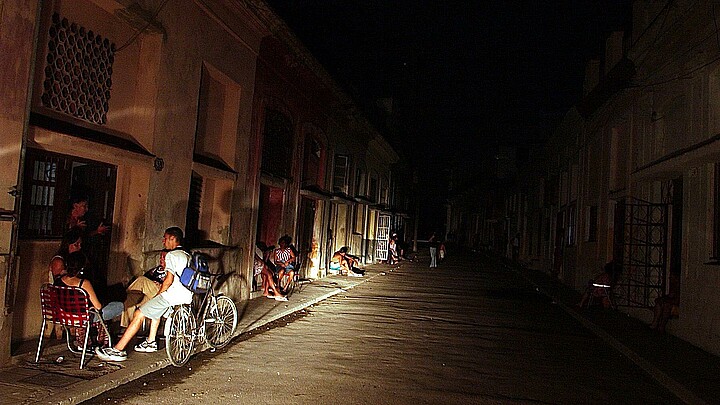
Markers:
{"x": 644, "y": 253}
{"x": 78, "y": 71}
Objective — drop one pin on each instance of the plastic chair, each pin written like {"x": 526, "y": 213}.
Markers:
{"x": 71, "y": 308}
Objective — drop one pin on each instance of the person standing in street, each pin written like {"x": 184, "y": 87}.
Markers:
{"x": 433, "y": 250}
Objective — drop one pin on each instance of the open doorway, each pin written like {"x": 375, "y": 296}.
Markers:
{"x": 269, "y": 214}
{"x": 50, "y": 182}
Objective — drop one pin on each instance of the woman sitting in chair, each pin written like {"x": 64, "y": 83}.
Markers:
{"x": 74, "y": 265}
{"x": 283, "y": 257}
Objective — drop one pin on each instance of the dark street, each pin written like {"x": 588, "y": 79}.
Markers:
{"x": 461, "y": 333}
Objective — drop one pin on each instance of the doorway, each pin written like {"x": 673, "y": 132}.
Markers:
{"x": 269, "y": 214}
{"x": 305, "y": 234}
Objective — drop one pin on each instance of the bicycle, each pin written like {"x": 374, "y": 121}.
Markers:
{"x": 215, "y": 323}
{"x": 289, "y": 285}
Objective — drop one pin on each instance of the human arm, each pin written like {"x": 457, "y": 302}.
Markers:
{"x": 88, "y": 287}
{"x": 292, "y": 257}
{"x": 167, "y": 282}
{"x": 101, "y": 230}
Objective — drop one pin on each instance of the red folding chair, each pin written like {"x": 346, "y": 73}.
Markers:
{"x": 71, "y": 308}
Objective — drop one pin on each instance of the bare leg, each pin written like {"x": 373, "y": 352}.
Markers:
{"x": 131, "y": 330}
{"x": 154, "y": 324}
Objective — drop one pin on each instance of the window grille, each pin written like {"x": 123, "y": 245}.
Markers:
{"x": 78, "y": 71}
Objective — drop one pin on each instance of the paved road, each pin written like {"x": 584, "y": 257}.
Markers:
{"x": 457, "y": 334}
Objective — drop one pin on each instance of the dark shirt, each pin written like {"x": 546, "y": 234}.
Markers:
{"x": 156, "y": 274}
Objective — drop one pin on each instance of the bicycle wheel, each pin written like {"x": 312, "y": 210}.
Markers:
{"x": 287, "y": 284}
{"x": 220, "y": 321}
{"x": 179, "y": 339}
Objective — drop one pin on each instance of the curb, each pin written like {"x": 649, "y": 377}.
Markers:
{"x": 92, "y": 388}
{"x": 658, "y": 375}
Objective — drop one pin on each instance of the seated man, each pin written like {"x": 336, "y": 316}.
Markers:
{"x": 171, "y": 293}
{"x": 345, "y": 263}
{"x": 283, "y": 258}
{"x": 143, "y": 289}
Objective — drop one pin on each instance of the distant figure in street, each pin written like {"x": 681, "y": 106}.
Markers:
{"x": 441, "y": 251}
{"x": 433, "y": 250}
{"x": 600, "y": 286}
{"x": 393, "y": 250}
{"x": 516, "y": 247}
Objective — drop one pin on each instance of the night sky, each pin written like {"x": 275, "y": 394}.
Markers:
{"x": 463, "y": 75}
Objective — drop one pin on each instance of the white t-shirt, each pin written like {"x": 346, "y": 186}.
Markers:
{"x": 175, "y": 263}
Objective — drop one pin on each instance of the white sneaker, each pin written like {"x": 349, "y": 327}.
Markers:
{"x": 146, "y": 347}
{"x": 110, "y": 354}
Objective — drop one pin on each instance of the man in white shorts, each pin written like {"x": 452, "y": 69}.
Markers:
{"x": 171, "y": 293}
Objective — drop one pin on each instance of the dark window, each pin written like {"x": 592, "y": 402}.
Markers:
{"x": 592, "y": 223}
{"x": 277, "y": 144}
{"x": 716, "y": 215}
{"x": 311, "y": 162}
{"x": 373, "y": 194}
{"x": 571, "y": 224}
{"x": 192, "y": 218}
{"x": 50, "y": 179}
{"x": 360, "y": 187}
{"x": 340, "y": 173}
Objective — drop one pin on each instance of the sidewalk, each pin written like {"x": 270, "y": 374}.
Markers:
{"x": 691, "y": 373}
{"x": 51, "y": 383}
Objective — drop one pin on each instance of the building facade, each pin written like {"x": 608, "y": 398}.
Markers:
{"x": 631, "y": 173}
{"x": 204, "y": 114}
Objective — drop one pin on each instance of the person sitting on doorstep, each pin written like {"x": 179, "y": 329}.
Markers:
{"x": 344, "y": 263}
{"x": 270, "y": 288}
{"x": 143, "y": 289}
